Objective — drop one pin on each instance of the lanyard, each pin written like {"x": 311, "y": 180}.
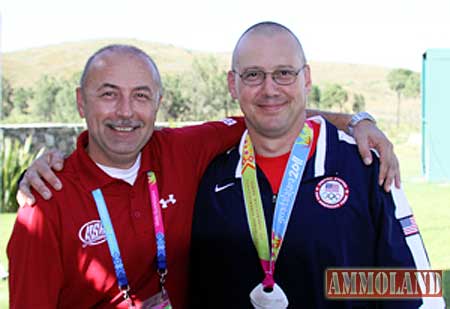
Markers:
{"x": 161, "y": 258}
{"x": 112, "y": 245}
{"x": 285, "y": 201}
{"x": 112, "y": 241}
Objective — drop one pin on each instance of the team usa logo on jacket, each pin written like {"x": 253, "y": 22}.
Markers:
{"x": 332, "y": 192}
{"x": 92, "y": 233}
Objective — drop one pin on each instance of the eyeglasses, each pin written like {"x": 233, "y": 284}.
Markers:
{"x": 282, "y": 77}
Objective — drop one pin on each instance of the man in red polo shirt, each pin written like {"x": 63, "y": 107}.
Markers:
{"x": 58, "y": 252}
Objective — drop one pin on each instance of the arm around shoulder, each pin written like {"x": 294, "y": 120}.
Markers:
{"x": 363, "y": 128}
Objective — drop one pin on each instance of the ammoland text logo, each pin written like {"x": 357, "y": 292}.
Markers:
{"x": 360, "y": 283}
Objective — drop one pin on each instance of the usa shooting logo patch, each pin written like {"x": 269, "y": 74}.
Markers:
{"x": 92, "y": 233}
{"x": 332, "y": 192}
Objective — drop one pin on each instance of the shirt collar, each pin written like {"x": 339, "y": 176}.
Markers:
{"x": 91, "y": 176}
{"x": 319, "y": 158}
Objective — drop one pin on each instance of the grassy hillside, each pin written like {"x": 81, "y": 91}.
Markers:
{"x": 24, "y": 68}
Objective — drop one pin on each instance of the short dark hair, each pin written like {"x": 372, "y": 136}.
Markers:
{"x": 267, "y": 27}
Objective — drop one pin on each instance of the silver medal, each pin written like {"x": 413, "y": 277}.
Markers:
{"x": 276, "y": 299}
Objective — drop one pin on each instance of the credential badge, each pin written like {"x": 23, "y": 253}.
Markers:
{"x": 332, "y": 192}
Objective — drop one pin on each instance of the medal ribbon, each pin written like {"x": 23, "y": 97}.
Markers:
{"x": 112, "y": 241}
{"x": 285, "y": 202}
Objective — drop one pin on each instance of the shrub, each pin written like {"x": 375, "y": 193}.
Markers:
{"x": 15, "y": 158}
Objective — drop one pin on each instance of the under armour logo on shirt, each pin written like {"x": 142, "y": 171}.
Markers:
{"x": 164, "y": 203}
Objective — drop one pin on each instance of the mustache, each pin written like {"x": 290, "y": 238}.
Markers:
{"x": 124, "y": 123}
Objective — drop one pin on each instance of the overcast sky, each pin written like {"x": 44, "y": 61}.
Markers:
{"x": 393, "y": 33}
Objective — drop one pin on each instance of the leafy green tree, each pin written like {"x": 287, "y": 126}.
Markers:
{"x": 223, "y": 100}
{"x": 21, "y": 98}
{"x": 44, "y": 106}
{"x": 315, "y": 97}
{"x": 65, "y": 101}
{"x": 334, "y": 94}
{"x": 7, "y": 103}
{"x": 359, "y": 103}
{"x": 209, "y": 89}
{"x": 397, "y": 80}
{"x": 412, "y": 86}
{"x": 177, "y": 101}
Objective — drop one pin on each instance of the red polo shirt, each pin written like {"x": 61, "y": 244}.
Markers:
{"x": 57, "y": 252}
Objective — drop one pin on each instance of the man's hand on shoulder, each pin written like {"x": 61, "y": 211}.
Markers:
{"x": 41, "y": 169}
{"x": 368, "y": 135}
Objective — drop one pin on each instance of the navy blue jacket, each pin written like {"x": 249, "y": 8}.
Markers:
{"x": 358, "y": 228}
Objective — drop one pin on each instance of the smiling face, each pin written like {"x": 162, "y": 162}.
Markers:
{"x": 271, "y": 110}
{"x": 119, "y": 99}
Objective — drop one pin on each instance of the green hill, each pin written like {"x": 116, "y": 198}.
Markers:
{"x": 24, "y": 68}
